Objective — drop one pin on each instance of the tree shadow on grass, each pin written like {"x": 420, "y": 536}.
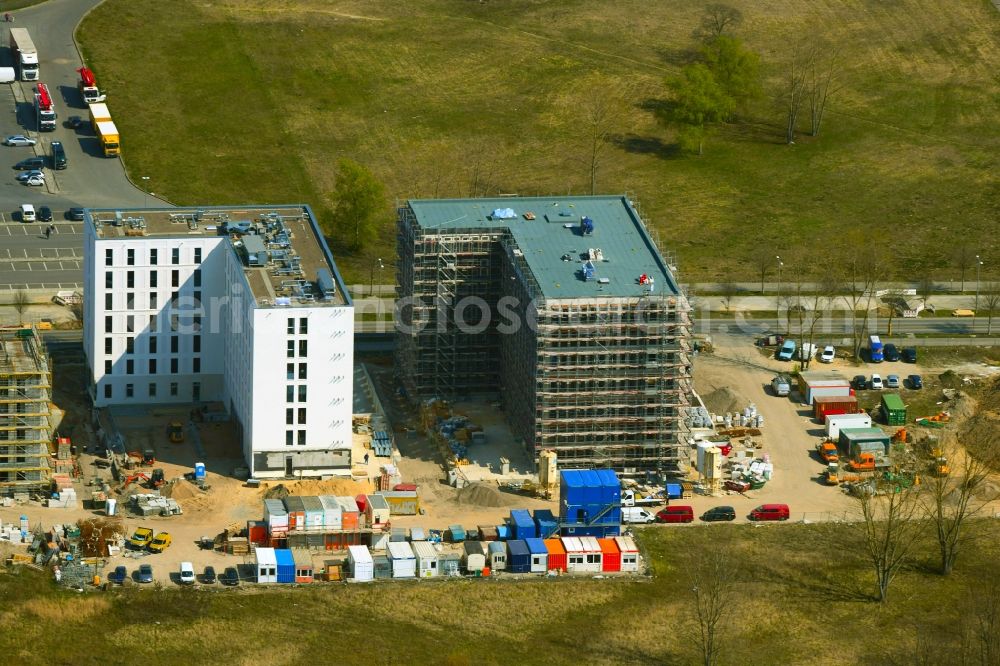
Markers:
{"x": 647, "y": 145}
{"x": 679, "y": 57}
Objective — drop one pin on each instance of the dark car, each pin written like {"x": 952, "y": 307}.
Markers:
{"x": 30, "y": 163}
{"x": 860, "y": 382}
{"x": 890, "y": 353}
{"x": 208, "y": 576}
{"x": 910, "y": 354}
{"x": 74, "y": 214}
{"x": 44, "y": 214}
{"x": 74, "y": 122}
{"x": 58, "y": 155}
{"x": 915, "y": 382}
{"x": 230, "y": 576}
{"x": 145, "y": 574}
{"x": 118, "y": 576}
{"x": 717, "y": 513}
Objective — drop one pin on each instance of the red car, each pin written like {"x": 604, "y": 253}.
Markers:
{"x": 675, "y": 514}
{"x": 770, "y": 512}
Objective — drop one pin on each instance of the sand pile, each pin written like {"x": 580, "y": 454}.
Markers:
{"x": 723, "y": 400}
{"x": 481, "y": 494}
{"x": 181, "y": 490}
{"x": 343, "y": 487}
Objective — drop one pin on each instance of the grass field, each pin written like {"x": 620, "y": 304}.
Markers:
{"x": 801, "y": 589}
{"x": 247, "y": 100}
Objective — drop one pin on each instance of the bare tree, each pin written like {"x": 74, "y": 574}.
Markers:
{"x": 717, "y": 19}
{"x": 763, "y": 260}
{"x": 890, "y": 531}
{"x": 794, "y": 88}
{"x": 965, "y": 258}
{"x": 895, "y": 302}
{"x": 989, "y": 301}
{"x": 821, "y": 302}
{"x": 21, "y": 303}
{"x": 595, "y": 112}
{"x": 986, "y": 611}
{"x": 926, "y": 286}
{"x": 822, "y": 82}
{"x": 729, "y": 292}
{"x": 713, "y": 589}
{"x": 954, "y": 498}
{"x": 863, "y": 275}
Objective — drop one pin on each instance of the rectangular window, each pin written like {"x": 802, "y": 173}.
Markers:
{"x": 152, "y": 365}
{"x": 303, "y": 348}
{"x": 152, "y": 341}
{"x": 153, "y": 281}
{"x": 302, "y": 393}
{"x": 130, "y": 257}
{"x": 130, "y": 301}
{"x": 107, "y": 391}
{"x": 109, "y": 280}
{"x": 302, "y": 371}
{"x": 152, "y": 389}
{"x": 196, "y": 322}
{"x": 153, "y": 300}
{"x": 108, "y": 299}
{"x": 129, "y": 390}
{"x": 303, "y": 325}
{"x": 197, "y": 277}
{"x": 291, "y": 349}
{"x": 197, "y": 255}
{"x": 197, "y": 298}
{"x": 196, "y": 343}
{"x": 130, "y": 367}
{"x": 154, "y": 323}
{"x": 173, "y": 389}
{"x": 302, "y": 437}
{"x": 107, "y": 345}
{"x": 174, "y": 344}
{"x": 130, "y": 279}
{"x": 175, "y": 256}
{"x": 130, "y": 324}
{"x": 289, "y": 394}
{"x": 175, "y": 278}
{"x": 153, "y": 257}
{"x": 174, "y": 322}
{"x": 107, "y": 324}
{"x": 196, "y": 365}
{"x": 109, "y": 257}
{"x": 196, "y": 391}
{"x": 130, "y": 345}
{"x": 289, "y": 437}
{"x": 290, "y": 371}
{"x": 173, "y": 366}
{"x": 290, "y": 328}
{"x": 302, "y": 415}
{"x": 107, "y": 367}
{"x": 289, "y": 416}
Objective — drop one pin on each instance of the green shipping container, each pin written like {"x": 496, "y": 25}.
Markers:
{"x": 893, "y": 409}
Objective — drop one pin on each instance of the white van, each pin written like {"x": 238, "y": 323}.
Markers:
{"x": 187, "y": 573}
{"x": 27, "y": 213}
{"x": 636, "y": 514}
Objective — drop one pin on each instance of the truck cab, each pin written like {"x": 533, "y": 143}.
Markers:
{"x": 827, "y": 452}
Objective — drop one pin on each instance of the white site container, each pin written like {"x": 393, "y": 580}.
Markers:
{"x": 332, "y": 519}
{"x": 836, "y": 422}
{"x": 629, "y": 552}
{"x": 404, "y": 562}
{"x": 362, "y": 564}
{"x": 266, "y": 565}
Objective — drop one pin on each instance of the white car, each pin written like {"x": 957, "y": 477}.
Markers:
{"x": 27, "y": 213}
{"x": 25, "y": 175}
{"x": 19, "y": 140}
{"x": 35, "y": 181}
{"x": 876, "y": 384}
{"x": 829, "y": 353}
{"x": 187, "y": 573}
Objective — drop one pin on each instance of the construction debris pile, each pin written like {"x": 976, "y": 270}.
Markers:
{"x": 453, "y": 432}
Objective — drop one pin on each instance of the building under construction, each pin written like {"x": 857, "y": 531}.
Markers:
{"x": 565, "y": 308}
{"x": 25, "y": 426}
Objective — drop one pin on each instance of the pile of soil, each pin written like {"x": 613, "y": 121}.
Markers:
{"x": 342, "y": 487}
{"x": 723, "y": 400}
{"x": 180, "y": 490}
{"x": 950, "y": 379}
{"x": 481, "y": 494}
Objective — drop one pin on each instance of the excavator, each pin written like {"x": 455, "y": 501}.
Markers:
{"x": 129, "y": 480}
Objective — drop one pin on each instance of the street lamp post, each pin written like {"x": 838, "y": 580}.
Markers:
{"x": 145, "y": 191}
{"x": 975, "y": 308}
{"x": 780, "y": 264}
{"x": 371, "y": 276}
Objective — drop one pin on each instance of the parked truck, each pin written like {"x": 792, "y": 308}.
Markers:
{"x": 631, "y": 498}
{"x": 827, "y": 452}
{"x": 25, "y": 55}
{"x": 87, "y": 85}
{"x": 98, "y": 114}
{"x": 45, "y": 109}
{"x": 105, "y": 129}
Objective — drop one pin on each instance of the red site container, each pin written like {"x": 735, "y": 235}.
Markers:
{"x": 557, "y": 555}
{"x": 411, "y": 487}
{"x": 257, "y": 532}
{"x": 611, "y": 556}
{"x": 833, "y": 404}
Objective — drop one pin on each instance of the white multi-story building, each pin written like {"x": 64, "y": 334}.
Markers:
{"x": 241, "y": 306}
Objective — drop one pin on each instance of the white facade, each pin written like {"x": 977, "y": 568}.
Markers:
{"x": 171, "y": 318}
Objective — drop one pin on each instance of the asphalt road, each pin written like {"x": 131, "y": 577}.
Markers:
{"x": 27, "y": 259}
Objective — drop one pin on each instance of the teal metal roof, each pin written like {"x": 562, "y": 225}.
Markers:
{"x": 554, "y": 245}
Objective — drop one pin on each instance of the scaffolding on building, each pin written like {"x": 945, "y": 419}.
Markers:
{"x": 25, "y": 426}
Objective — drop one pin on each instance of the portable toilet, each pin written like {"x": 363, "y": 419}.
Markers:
{"x": 266, "y": 566}
{"x": 285, "y": 564}
{"x": 518, "y": 556}
{"x": 362, "y": 564}
{"x": 497, "y": 560}
{"x": 303, "y": 565}
{"x": 611, "y": 559}
{"x": 376, "y": 510}
{"x": 404, "y": 562}
{"x": 629, "y": 553}
{"x": 199, "y": 471}
{"x": 474, "y": 557}
{"x": 427, "y": 559}
{"x": 539, "y": 555}
{"x": 556, "y": 554}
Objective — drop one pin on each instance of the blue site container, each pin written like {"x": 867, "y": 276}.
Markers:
{"x": 503, "y": 532}
{"x": 594, "y": 493}
{"x": 518, "y": 556}
{"x": 674, "y": 491}
{"x": 286, "y": 565}
{"x": 571, "y": 488}
{"x": 523, "y": 527}
{"x": 545, "y": 523}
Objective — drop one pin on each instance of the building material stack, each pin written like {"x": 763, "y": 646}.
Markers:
{"x": 25, "y": 426}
